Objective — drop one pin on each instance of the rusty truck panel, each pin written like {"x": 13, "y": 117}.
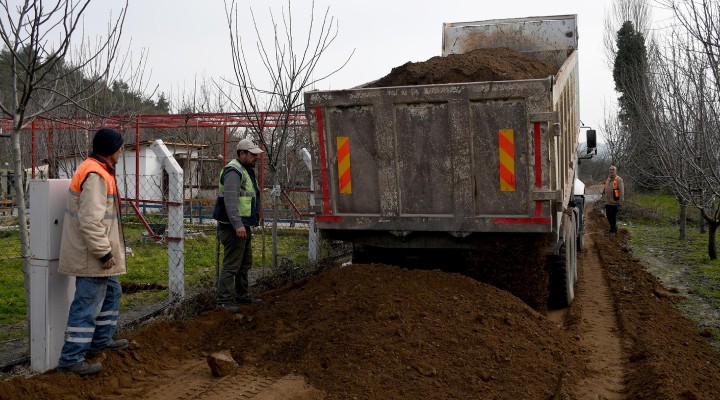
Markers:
{"x": 429, "y": 158}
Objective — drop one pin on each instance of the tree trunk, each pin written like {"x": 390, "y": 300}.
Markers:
{"x": 276, "y": 186}
{"x": 712, "y": 248}
{"x": 19, "y": 198}
{"x": 683, "y": 219}
{"x": 702, "y": 225}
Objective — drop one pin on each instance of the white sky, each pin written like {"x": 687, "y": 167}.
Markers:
{"x": 188, "y": 40}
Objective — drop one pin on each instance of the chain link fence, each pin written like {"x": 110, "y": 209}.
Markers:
{"x": 172, "y": 254}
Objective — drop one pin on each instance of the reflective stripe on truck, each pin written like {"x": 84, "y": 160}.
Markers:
{"x": 344, "y": 178}
{"x": 538, "y": 218}
{"x": 506, "y": 148}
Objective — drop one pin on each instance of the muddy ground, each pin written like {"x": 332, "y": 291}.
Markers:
{"x": 381, "y": 332}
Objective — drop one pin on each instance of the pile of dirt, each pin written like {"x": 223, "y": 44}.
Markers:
{"x": 375, "y": 331}
{"x": 361, "y": 331}
{"x": 667, "y": 356}
{"x": 499, "y": 64}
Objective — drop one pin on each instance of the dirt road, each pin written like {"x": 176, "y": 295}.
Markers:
{"x": 381, "y": 332}
{"x": 592, "y": 318}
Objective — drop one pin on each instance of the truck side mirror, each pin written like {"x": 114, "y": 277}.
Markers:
{"x": 591, "y": 137}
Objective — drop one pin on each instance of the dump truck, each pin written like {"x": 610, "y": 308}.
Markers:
{"x": 487, "y": 169}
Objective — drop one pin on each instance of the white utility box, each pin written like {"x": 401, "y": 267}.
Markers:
{"x": 47, "y": 210}
{"x": 51, "y": 293}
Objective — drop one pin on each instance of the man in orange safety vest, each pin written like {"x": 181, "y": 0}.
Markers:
{"x": 613, "y": 195}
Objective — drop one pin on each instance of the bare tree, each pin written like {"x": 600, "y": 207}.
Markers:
{"x": 616, "y": 139}
{"x": 686, "y": 116}
{"x": 289, "y": 67}
{"x": 49, "y": 71}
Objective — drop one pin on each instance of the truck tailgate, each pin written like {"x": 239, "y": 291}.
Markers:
{"x": 459, "y": 158}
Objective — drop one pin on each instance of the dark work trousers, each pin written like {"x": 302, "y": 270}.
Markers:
{"x": 237, "y": 260}
{"x": 611, "y": 211}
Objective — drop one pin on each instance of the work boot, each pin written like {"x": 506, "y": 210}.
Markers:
{"x": 230, "y": 307}
{"x": 82, "y": 368}
{"x": 120, "y": 344}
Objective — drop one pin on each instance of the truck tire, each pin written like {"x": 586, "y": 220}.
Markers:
{"x": 562, "y": 268}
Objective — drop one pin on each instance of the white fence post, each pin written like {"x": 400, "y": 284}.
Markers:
{"x": 176, "y": 229}
{"x": 312, "y": 229}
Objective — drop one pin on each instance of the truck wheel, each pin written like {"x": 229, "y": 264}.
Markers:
{"x": 562, "y": 268}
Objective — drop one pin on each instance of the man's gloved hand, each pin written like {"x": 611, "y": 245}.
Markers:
{"x": 619, "y": 206}
{"x": 109, "y": 263}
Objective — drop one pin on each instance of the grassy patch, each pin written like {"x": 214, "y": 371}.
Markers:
{"x": 680, "y": 264}
{"x": 12, "y": 292}
{"x": 148, "y": 264}
{"x": 150, "y": 260}
{"x": 658, "y": 207}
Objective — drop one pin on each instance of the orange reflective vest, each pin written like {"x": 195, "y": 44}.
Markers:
{"x": 87, "y": 167}
{"x": 91, "y": 227}
{"x": 615, "y": 190}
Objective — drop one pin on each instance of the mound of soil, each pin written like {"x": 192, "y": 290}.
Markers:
{"x": 362, "y": 331}
{"x": 667, "y": 356}
{"x": 375, "y": 331}
{"x": 499, "y": 64}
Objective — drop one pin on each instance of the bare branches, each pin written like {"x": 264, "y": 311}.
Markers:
{"x": 685, "y": 115}
{"x": 288, "y": 65}
{"x": 49, "y": 72}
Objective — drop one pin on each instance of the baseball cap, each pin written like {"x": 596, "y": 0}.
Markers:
{"x": 248, "y": 145}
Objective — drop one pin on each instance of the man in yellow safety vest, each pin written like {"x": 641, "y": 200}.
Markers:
{"x": 237, "y": 211}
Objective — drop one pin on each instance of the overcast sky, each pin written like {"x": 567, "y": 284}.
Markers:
{"x": 188, "y": 39}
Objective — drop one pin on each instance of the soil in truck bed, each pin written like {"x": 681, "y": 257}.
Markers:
{"x": 499, "y": 64}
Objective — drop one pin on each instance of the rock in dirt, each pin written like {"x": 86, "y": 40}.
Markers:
{"x": 221, "y": 363}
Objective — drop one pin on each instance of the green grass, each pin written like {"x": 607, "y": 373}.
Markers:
{"x": 148, "y": 265}
{"x": 680, "y": 264}
{"x": 657, "y": 207}
{"x": 12, "y": 292}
